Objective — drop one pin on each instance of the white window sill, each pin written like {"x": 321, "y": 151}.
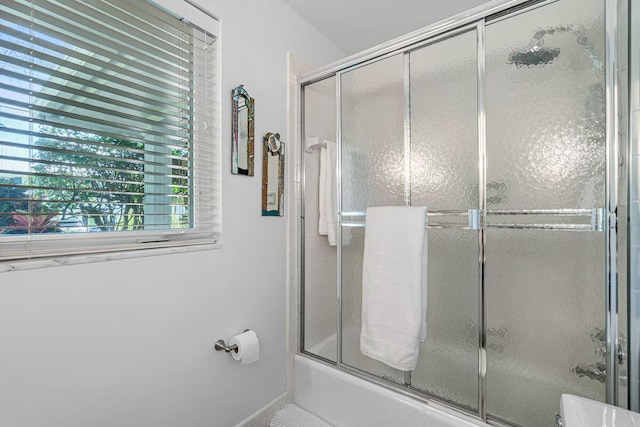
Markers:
{"x": 30, "y": 264}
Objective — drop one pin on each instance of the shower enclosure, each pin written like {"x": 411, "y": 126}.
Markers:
{"x": 510, "y": 124}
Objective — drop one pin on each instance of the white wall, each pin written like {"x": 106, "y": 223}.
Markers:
{"x": 129, "y": 342}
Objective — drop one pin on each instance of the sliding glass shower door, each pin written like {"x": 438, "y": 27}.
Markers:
{"x": 545, "y": 164}
{"x": 373, "y": 174}
{"x": 409, "y": 137}
{"x": 502, "y": 129}
{"x": 444, "y": 177}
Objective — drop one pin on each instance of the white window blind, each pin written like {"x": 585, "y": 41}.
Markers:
{"x": 109, "y": 127}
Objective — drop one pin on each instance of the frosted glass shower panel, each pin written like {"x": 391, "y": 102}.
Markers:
{"x": 444, "y": 124}
{"x": 448, "y": 362}
{"x": 545, "y": 106}
{"x": 373, "y": 135}
{"x": 545, "y": 110}
{"x": 444, "y": 176}
{"x": 545, "y": 321}
{"x": 320, "y": 261}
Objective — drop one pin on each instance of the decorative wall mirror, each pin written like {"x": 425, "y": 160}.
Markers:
{"x": 272, "y": 175}
{"x": 242, "y": 132}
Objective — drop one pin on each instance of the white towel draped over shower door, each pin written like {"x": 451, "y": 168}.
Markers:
{"x": 328, "y": 194}
{"x": 394, "y": 285}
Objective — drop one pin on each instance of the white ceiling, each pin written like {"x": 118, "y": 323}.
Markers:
{"x": 356, "y": 25}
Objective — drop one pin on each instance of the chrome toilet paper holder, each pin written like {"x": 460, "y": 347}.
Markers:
{"x": 221, "y": 345}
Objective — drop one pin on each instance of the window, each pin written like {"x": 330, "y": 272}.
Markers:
{"x": 109, "y": 127}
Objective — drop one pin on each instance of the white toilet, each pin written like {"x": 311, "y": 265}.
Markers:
{"x": 582, "y": 412}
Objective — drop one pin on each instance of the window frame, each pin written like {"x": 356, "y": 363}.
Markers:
{"x": 63, "y": 248}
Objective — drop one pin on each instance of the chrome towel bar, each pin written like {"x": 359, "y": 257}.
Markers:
{"x": 597, "y": 216}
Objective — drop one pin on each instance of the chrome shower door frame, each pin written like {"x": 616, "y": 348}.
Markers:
{"x": 611, "y": 194}
{"x": 475, "y": 20}
{"x": 633, "y": 189}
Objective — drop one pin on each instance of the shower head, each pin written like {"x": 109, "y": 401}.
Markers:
{"x": 533, "y": 56}
{"x": 536, "y": 54}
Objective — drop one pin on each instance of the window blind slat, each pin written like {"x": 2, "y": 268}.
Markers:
{"x": 98, "y": 96}
{"x": 169, "y": 30}
{"x": 87, "y": 108}
{"x": 99, "y": 83}
{"x": 150, "y": 144}
{"x": 89, "y": 191}
{"x": 79, "y": 168}
{"x": 62, "y": 177}
{"x": 59, "y": 119}
{"x": 78, "y": 20}
{"x": 133, "y": 162}
{"x": 142, "y": 16}
{"x": 67, "y": 201}
{"x": 39, "y": 36}
{"x": 163, "y": 90}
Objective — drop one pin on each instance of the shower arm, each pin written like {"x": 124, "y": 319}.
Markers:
{"x": 581, "y": 39}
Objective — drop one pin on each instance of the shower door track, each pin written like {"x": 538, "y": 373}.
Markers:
{"x": 601, "y": 219}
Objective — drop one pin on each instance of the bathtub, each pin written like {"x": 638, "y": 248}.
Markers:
{"x": 344, "y": 400}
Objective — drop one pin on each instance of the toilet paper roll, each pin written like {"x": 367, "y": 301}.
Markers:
{"x": 248, "y": 347}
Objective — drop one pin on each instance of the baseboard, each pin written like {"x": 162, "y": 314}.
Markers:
{"x": 262, "y": 417}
